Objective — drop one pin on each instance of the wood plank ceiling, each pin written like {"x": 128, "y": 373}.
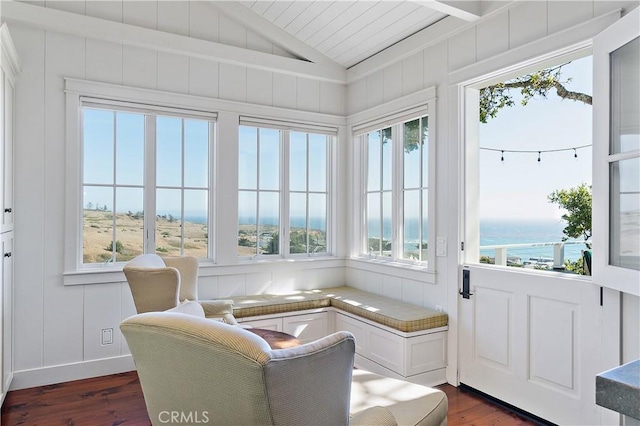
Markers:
{"x": 347, "y": 31}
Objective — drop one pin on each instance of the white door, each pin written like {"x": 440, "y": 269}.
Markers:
{"x": 536, "y": 340}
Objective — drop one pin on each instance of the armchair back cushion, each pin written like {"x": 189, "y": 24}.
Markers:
{"x": 190, "y": 364}
{"x": 154, "y": 286}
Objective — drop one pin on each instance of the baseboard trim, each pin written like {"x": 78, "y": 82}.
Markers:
{"x": 68, "y": 372}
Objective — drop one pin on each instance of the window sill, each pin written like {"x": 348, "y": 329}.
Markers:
{"x": 416, "y": 272}
{"x": 105, "y": 274}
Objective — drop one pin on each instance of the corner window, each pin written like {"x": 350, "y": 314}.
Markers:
{"x": 283, "y": 183}
{"x": 145, "y": 182}
{"x": 396, "y": 191}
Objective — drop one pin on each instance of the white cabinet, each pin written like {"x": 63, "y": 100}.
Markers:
{"x": 9, "y": 68}
{"x": 418, "y": 357}
{"x": 306, "y": 327}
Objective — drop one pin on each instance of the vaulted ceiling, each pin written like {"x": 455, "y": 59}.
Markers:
{"x": 346, "y": 32}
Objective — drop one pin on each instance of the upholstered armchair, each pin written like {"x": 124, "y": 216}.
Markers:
{"x": 161, "y": 283}
{"x": 216, "y": 374}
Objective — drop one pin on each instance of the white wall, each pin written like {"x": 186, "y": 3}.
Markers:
{"x": 58, "y": 325}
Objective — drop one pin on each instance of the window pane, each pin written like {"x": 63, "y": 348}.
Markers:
{"x": 168, "y": 222}
{"x": 129, "y": 148}
{"x": 98, "y": 147}
{"x": 625, "y": 214}
{"x": 269, "y": 226}
{"x": 317, "y": 223}
{"x": 196, "y": 153}
{"x": 425, "y": 151}
{"x": 248, "y": 158}
{"x": 298, "y": 161}
{"x": 411, "y": 241}
{"x": 269, "y": 159}
{"x": 387, "y": 144}
{"x": 168, "y": 151}
{"x": 386, "y": 224}
{"x": 317, "y": 163}
{"x": 298, "y": 223}
{"x": 97, "y": 230}
{"x": 412, "y": 152}
{"x": 373, "y": 161}
{"x": 195, "y": 223}
{"x": 425, "y": 222}
{"x": 129, "y": 223}
{"x": 247, "y": 223}
{"x": 374, "y": 223}
{"x": 625, "y": 97}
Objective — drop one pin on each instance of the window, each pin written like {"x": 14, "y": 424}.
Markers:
{"x": 283, "y": 187}
{"x": 145, "y": 182}
{"x": 396, "y": 205}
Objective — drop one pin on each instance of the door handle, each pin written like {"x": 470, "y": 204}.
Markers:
{"x": 466, "y": 294}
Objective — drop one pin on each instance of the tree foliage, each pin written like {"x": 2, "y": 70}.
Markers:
{"x": 577, "y": 202}
{"x": 538, "y": 84}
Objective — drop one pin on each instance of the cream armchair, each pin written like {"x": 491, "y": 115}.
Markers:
{"x": 207, "y": 372}
{"x": 161, "y": 283}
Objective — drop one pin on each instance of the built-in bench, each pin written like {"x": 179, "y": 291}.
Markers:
{"x": 393, "y": 337}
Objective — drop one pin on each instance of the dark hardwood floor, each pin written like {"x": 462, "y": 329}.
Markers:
{"x": 117, "y": 400}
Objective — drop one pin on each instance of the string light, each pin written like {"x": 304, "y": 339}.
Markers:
{"x": 539, "y": 152}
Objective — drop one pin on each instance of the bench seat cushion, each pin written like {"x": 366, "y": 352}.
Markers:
{"x": 267, "y": 304}
{"x": 393, "y": 313}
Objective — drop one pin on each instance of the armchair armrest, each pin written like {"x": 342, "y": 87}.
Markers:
{"x": 379, "y": 416}
{"x": 222, "y": 309}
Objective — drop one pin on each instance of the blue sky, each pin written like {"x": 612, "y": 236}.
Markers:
{"x": 518, "y": 187}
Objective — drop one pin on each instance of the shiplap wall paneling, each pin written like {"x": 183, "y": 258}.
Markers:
{"x": 493, "y": 36}
{"x": 105, "y": 9}
{"x": 233, "y": 82}
{"x": 139, "y": 67}
{"x": 208, "y": 288}
{"x": 374, "y": 94}
{"x": 102, "y": 305}
{"x": 104, "y": 61}
{"x": 173, "y": 16}
{"x": 203, "y": 21}
{"x": 332, "y": 98}
{"x": 231, "y": 285}
{"x": 63, "y": 310}
{"x": 392, "y": 82}
{"x": 284, "y": 91}
{"x": 413, "y": 73}
{"x": 259, "y": 87}
{"x": 29, "y": 158}
{"x": 203, "y": 77}
{"x": 308, "y": 95}
{"x": 173, "y": 73}
{"x": 127, "y": 309}
{"x": 527, "y": 22}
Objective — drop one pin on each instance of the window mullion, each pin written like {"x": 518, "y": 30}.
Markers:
{"x": 258, "y": 236}
{"x": 149, "y": 184}
{"x": 182, "y": 189}
{"x": 113, "y": 193}
{"x": 285, "y": 226}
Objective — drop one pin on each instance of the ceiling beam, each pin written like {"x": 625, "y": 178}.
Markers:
{"x": 131, "y": 35}
{"x": 468, "y": 10}
{"x": 256, "y": 23}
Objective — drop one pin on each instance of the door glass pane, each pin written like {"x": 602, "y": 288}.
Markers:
{"x": 129, "y": 226}
{"x": 625, "y": 98}
{"x": 373, "y": 161}
{"x": 412, "y": 151}
{"x": 386, "y": 158}
{"x": 374, "y": 223}
{"x": 425, "y": 151}
{"x": 625, "y": 214}
{"x": 425, "y": 223}
{"x": 386, "y": 224}
{"x": 411, "y": 241}
{"x": 168, "y": 151}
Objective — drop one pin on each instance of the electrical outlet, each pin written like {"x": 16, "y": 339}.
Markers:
{"x": 107, "y": 336}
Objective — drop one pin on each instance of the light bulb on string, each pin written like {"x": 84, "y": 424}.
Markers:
{"x": 502, "y": 157}
{"x": 539, "y": 156}
{"x": 575, "y": 154}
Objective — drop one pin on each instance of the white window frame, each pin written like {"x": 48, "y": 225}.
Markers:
{"x": 615, "y": 277}
{"x": 285, "y": 129}
{"x": 394, "y": 114}
{"x": 83, "y": 93}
